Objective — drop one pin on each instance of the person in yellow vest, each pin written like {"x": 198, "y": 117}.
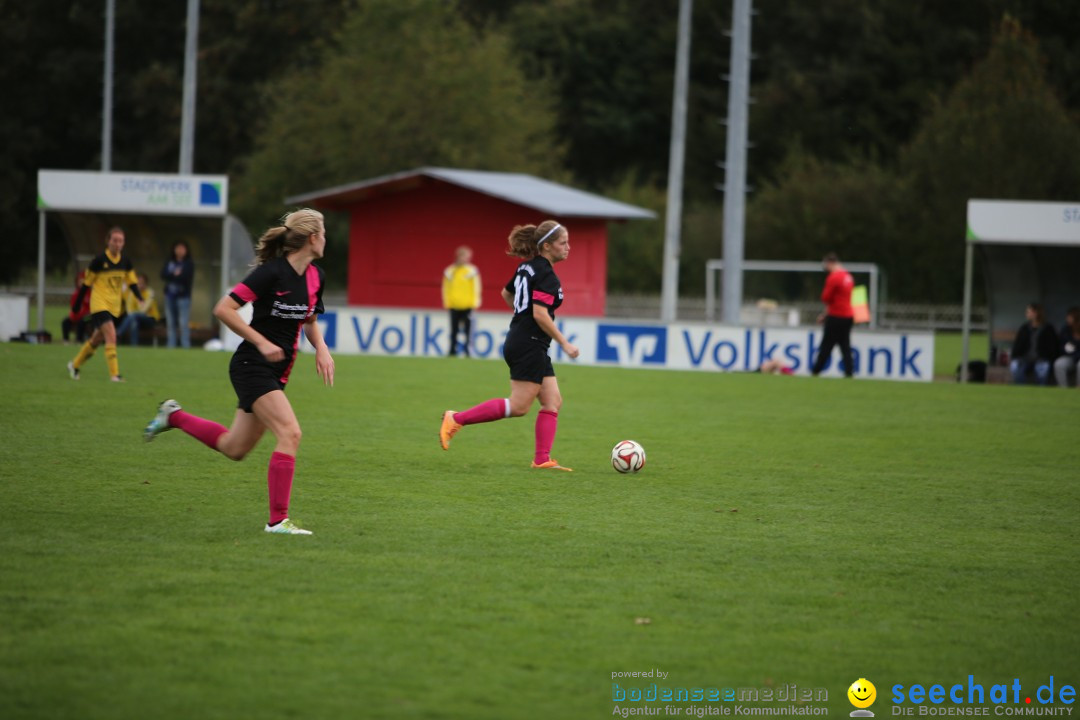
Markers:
{"x": 140, "y": 313}
{"x": 109, "y": 273}
{"x": 461, "y": 289}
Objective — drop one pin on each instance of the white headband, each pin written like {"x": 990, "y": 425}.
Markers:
{"x": 547, "y": 234}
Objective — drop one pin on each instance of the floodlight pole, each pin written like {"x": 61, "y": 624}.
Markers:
{"x": 735, "y": 162}
{"x": 673, "y": 217}
{"x": 187, "y": 117}
{"x": 107, "y": 91}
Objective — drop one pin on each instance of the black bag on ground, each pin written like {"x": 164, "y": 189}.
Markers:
{"x": 976, "y": 371}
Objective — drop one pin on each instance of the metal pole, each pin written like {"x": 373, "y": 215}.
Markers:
{"x": 226, "y": 269}
{"x": 187, "y": 117}
{"x": 673, "y": 219}
{"x": 710, "y": 292}
{"x": 969, "y": 253}
{"x": 107, "y": 93}
{"x": 41, "y": 271}
{"x": 874, "y": 297}
{"x": 735, "y": 162}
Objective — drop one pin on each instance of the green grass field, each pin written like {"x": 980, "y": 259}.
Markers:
{"x": 785, "y": 530}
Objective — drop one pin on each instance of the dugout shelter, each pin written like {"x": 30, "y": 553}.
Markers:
{"x": 155, "y": 211}
{"x": 1030, "y": 252}
{"x": 403, "y": 230}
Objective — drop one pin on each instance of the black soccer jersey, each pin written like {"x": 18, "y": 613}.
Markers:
{"x": 281, "y": 301}
{"x": 534, "y": 283}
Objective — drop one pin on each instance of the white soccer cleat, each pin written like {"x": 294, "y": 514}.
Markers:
{"x": 73, "y": 371}
{"x": 160, "y": 423}
{"x": 286, "y": 527}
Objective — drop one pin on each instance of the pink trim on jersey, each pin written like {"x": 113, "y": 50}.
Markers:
{"x": 243, "y": 292}
{"x": 312, "y": 277}
{"x": 295, "y": 352}
{"x": 543, "y": 297}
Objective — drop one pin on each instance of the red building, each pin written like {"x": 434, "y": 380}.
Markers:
{"x": 403, "y": 230}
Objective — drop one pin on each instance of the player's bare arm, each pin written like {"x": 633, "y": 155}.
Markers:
{"x": 540, "y": 314}
{"x": 324, "y": 362}
{"x": 226, "y": 311}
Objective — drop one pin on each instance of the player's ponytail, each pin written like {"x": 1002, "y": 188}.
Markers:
{"x": 289, "y": 236}
{"x": 525, "y": 240}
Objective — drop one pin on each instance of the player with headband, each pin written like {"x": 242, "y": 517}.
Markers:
{"x": 534, "y": 293}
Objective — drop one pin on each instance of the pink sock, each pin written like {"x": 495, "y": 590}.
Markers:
{"x": 546, "y": 422}
{"x": 494, "y": 409}
{"x": 205, "y": 431}
{"x": 279, "y": 482}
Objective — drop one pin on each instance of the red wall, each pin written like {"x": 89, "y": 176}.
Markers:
{"x": 399, "y": 244}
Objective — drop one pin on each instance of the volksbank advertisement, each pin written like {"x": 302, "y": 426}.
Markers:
{"x": 679, "y": 346}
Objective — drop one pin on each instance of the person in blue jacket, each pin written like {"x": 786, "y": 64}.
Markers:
{"x": 179, "y": 275}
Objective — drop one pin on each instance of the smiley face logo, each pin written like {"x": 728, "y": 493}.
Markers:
{"x": 862, "y": 693}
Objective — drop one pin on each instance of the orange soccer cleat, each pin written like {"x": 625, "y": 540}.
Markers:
{"x": 551, "y": 465}
{"x": 449, "y": 429}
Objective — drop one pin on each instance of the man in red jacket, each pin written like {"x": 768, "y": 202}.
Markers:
{"x": 838, "y": 316}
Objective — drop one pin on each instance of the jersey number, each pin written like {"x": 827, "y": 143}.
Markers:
{"x": 521, "y": 294}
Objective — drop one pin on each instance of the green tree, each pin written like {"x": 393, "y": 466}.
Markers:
{"x": 820, "y": 207}
{"x": 405, "y": 83}
{"x": 636, "y": 247}
{"x": 1002, "y": 133}
{"x": 52, "y": 76}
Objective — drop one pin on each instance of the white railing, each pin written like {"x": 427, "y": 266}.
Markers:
{"x": 890, "y": 316}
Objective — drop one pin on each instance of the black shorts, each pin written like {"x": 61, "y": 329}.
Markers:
{"x": 251, "y": 379}
{"x": 100, "y": 318}
{"x": 528, "y": 359}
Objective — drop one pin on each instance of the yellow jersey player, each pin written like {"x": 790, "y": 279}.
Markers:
{"x": 461, "y": 291}
{"x": 108, "y": 275}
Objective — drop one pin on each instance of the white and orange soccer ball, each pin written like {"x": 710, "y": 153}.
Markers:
{"x": 627, "y": 456}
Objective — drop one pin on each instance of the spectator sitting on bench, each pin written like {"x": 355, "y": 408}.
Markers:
{"x": 1035, "y": 347}
{"x": 139, "y": 315}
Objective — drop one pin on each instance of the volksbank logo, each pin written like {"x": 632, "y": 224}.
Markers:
{"x": 631, "y": 344}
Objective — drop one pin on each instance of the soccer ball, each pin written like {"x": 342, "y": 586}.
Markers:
{"x": 627, "y": 456}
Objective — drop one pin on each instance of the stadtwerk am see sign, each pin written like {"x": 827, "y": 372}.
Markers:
{"x": 139, "y": 193}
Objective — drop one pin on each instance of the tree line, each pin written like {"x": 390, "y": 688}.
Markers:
{"x": 872, "y": 121}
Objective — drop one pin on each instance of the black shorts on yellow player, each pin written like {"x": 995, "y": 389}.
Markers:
{"x": 100, "y": 318}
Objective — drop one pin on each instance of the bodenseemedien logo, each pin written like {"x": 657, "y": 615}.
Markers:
{"x": 862, "y": 695}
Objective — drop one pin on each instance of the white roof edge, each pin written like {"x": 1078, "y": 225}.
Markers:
{"x": 542, "y": 195}
{"x": 1023, "y": 222}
